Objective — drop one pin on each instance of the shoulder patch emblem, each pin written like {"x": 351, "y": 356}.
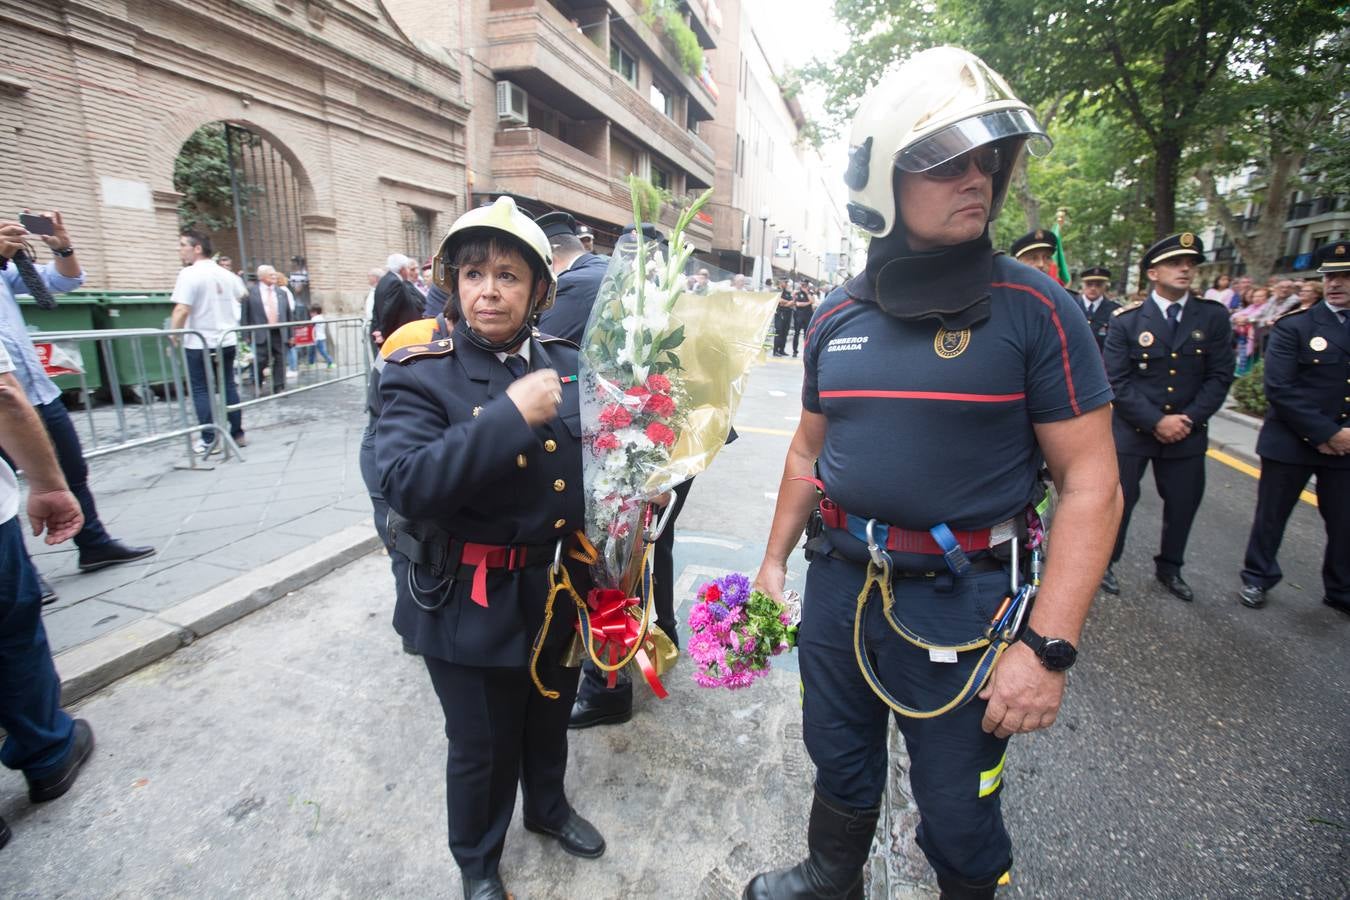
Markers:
{"x": 1145, "y": 339}
{"x": 951, "y": 344}
{"x": 1318, "y": 343}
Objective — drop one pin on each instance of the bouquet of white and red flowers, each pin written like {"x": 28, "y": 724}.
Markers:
{"x": 662, "y": 371}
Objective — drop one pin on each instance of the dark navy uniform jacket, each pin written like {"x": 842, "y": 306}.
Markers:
{"x": 577, "y": 288}
{"x": 1308, "y": 387}
{"x": 452, "y": 449}
{"x": 1153, "y": 377}
{"x": 1099, "y": 320}
{"x": 927, "y": 426}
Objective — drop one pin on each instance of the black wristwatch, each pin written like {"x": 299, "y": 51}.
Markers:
{"x": 1056, "y": 654}
{"x": 68, "y": 251}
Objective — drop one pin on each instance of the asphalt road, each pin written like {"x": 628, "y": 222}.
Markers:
{"x": 1202, "y": 750}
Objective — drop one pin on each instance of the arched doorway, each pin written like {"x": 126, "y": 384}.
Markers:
{"x": 240, "y": 188}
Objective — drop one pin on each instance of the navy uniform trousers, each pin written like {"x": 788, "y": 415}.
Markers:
{"x": 502, "y": 732}
{"x": 1181, "y": 484}
{"x": 38, "y": 732}
{"x": 1277, "y": 494}
{"x": 955, "y": 767}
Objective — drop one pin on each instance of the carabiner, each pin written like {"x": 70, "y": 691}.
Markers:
{"x": 652, "y": 535}
{"x": 879, "y": 556}
{"x": 557, "y": 559}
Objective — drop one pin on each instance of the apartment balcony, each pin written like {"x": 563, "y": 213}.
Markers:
{"x": 531, "y": 44}
{"x": 633, "y": 26}
{"x": 533, "y": 163}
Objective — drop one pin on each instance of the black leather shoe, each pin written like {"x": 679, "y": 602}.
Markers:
{"x": 40, "y": 790}
{"x": 485, "y": 889}
{"x": 1252, "y": 596}
{"x": 1109, "y": 583}
{"x": 586, "y": 712}
{"x": 4, "y": 834}
{"x": 112, "y": 553}
{"x": 1176, "y": 586}
{"x": 1338, "y": 605}
{"x": 46, "y": 591}
{"x": 576, "y": 836}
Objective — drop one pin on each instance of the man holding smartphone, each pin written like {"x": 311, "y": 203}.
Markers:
{"x": 97, "y": 548}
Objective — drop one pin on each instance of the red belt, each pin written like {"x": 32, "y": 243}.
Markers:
{"x": 902, "y": 540}
{"x": 482, "y": 557}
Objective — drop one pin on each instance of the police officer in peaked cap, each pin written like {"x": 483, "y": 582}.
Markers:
{"x": 579, "y": 273}
{"x": 936, "y": 383}
{"x": 1096, "y": 305}
{"x": 479, "y": 451}
{"x": 1036, "y": 248}
{"x": 1170, "y": 360}
{"x": 1306, "y": 433}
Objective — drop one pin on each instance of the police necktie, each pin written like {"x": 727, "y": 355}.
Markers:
{"x": 1345, "y": 320}
{"x": 516, "y": 363}
{"x": 1173, "y": 319}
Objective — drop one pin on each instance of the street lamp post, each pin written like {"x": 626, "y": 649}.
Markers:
{"x": 764, "y": 276}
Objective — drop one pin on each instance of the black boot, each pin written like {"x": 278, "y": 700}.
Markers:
{"x": 838, "y": 841}
{"x": 959, "y": 889}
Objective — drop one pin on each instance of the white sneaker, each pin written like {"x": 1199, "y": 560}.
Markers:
{"x": 291, "y": 373}
{"x": 202, "y": 448}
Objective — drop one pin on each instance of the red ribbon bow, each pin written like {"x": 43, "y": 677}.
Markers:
{"x": 616, "y": 623}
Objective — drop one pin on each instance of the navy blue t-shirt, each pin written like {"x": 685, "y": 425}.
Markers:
{"x": 926, "y": 426}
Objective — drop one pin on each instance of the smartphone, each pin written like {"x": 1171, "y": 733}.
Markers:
{"x": 37, "y": 224}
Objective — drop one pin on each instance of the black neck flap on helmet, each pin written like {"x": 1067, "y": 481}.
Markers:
{"x": 950, "y": 284}
{"x": 522, "y": 333}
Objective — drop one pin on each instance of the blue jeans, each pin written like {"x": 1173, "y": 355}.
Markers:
{"x": 39, "y": 732}
{"x": 201, "y": 397}
{"x": 321, "y": 348}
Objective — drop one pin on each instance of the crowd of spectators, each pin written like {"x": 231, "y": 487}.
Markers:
{"x": 1255, "y": 307}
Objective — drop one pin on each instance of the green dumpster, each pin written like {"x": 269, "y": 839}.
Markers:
{"x": 76, "y": 311}
{"x": 138, "y": 309}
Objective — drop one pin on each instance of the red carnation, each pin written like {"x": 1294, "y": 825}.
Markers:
{"x": 614, "y": 417}
{"x": 712, "y": 593}
{"x": 660, "y": 434}
{"x": 659, "y": 405}
{"x": 658, "y": 383}
{"x": 606, "y": 441}
{"x": 637, "y": 391}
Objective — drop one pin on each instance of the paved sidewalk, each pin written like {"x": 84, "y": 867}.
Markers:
{"x": 239, "y": 530}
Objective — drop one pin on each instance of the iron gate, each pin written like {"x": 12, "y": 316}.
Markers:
{"x": 267, "y": 202}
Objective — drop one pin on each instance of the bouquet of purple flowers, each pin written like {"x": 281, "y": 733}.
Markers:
{"x": 735, "y": 630}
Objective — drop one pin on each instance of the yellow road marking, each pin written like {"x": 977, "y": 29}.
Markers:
{"x": 750, "y": 429}
{"x": 1248, "y": 469}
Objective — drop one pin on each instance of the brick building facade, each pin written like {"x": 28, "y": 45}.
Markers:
{"x": 98, "y": 96}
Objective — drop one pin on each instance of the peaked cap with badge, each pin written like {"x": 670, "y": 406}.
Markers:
{"x": 556, "y": 224}
{"x": 1096, "y": 273}
{"x": 1038, "y": 239}
{"x": 1333, "y": 257}
{"x": 1171, "y": 247}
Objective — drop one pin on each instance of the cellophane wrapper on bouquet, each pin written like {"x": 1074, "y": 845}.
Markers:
{"x": 663, "y": 367}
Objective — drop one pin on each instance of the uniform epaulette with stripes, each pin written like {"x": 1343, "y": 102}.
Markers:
{"x": 1124, "y": 309}
{"x": 1293, "y": 312}
{"x": 443, "y": 347}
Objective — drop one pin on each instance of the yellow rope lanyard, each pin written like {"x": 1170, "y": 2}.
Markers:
{"x": 559, "y": 582}
{"x": 994, "y": 642}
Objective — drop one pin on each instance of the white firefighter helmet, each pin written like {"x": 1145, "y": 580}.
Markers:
{"x": 501, "y": 216}
{"x": 939, "y": 104}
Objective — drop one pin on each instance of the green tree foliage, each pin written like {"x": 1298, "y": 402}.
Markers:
{"x": 201, "y": 173}
{"x": 1249, "y": 391}
{"x": 1165, "y": 73}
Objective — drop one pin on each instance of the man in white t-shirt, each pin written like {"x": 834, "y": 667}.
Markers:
{"x": 205, "y": 298}
{"x": 42, "y": 741}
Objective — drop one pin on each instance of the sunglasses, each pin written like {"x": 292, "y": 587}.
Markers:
{"x": 988, "y": 159}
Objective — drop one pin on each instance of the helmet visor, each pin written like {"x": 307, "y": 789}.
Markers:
{"x": 966, "y": 135}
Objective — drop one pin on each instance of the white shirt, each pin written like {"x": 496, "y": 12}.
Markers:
{"x": 210, "y": 291}
{"x": 9, "y": 485}
{"x": 1163, "y": 303}
{"x": 319, "y": 333}
{"x": 523, "y": 353}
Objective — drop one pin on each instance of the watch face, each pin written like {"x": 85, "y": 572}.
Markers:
{"x": 1058, "y": 654}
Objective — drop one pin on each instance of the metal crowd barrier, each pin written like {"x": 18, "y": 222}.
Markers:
{"x": 347, "y": 343}
{"x": 144, "y": 364}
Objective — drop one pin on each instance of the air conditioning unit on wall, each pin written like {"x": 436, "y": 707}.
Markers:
{"x": 513, "y": 104}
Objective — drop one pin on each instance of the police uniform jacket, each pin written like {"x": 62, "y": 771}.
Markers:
{"x": 453, "y": 450}
{"x": 1153, "y": 377}
{"x": 1100, "y": 319}
{"x": 1307, "y": 386}
{"x": 577, "y": 288}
